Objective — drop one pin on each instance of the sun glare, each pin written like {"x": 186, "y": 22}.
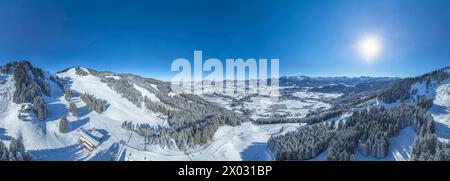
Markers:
{"x": 370, "y": 48}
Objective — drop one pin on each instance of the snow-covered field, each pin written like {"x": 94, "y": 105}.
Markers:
{"x": 264, "y": 106}
{"x": 294, "y": 108}
{"x": 316, "y": 95}
{"x": 245, "y": 142}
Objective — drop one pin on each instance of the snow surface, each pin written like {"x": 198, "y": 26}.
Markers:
{"x": 316, "y": 95}
{"x": 441, "y": 110}
{"x": 245, "y": 142}
{"x": 38, "y": 135}
{"x": 399, "y": 148}
{"x": 154, "y": 86}
{"x": 42, "y": 138}
{"x": 119, "y": 109}
{"x": 147, "y": 93}
{"x": 113, "y": 76}
{"x": 440, "y": 93}
{"x": 263, "y": 106}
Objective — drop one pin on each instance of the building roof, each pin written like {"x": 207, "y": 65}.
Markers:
{"x": 96, "y": 134}
{"x": 88, "y": 137}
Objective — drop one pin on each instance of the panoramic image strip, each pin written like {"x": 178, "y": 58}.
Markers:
{"x": 225, "y": 80}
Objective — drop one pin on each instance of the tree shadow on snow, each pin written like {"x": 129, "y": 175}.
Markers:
{"x": 83, "y": 111}
{"x": 41, "y": 124}
{"x": 439, "y": 110}
{"x": 258, "y": 151}
{"x": 106, "y": 155}
{"x": 69, "y": 153}
{"x": 57, "y": 111}
{"x": 3, "y": 135}
{"x": 78, "y": 123}
{"x": 107, "y": 104}
{"x": 442, "y": 130}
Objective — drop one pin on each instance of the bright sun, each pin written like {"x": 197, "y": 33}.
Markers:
{"x": 370, "y": 48}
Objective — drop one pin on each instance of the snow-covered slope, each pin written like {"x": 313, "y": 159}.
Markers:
{"x": 119, "y": 108}
{"x": 439, "y": 92}
{"x": 441, "y": 110}
{"x": 45, "y": 142}
{"x": 43, "y": 139}
{"x": 37, "y": 135}
{"x": 245, "y": 141}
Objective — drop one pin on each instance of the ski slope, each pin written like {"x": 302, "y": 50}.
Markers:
{"x": 43, "y": 140}
{"x": 441, "y": 110}
{"x": 247, "y": 142}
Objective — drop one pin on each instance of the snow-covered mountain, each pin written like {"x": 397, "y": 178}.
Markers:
{"x": 121, "y": 114}
{"x": 406, "y": 120}
{"x": 85, "y": 114}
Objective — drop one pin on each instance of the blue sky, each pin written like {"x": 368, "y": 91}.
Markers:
{"x": 316, "y": 37}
